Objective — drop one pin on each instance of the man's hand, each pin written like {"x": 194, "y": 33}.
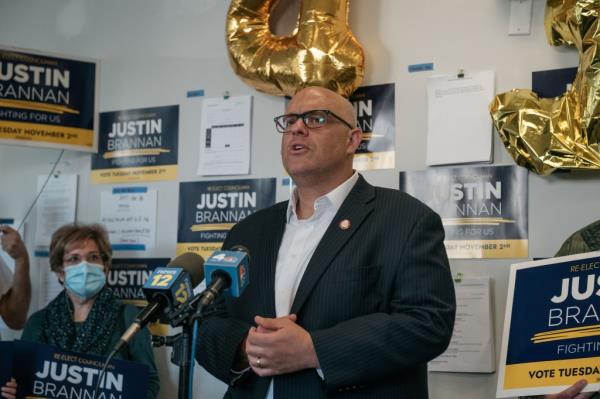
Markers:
{"x": 279, "y": 346}
{"x": 12, "y": 243}
{"x": 573, "y": 392}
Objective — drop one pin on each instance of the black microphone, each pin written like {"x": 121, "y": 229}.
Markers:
{"x": 225, "y": 271}
{"x": 165, "y": 288}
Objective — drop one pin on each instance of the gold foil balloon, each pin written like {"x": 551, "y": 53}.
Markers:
{"x": 321, "y": 51}
{"x": 560, "y": 133}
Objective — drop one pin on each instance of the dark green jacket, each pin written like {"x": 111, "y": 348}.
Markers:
{"x": 586, "y": 239}
{"x": 139, "y": 348}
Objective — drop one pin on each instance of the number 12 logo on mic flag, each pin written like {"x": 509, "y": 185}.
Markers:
{"x": 170, "y": 281}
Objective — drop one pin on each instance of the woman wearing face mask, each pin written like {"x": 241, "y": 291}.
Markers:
{"x": 85, "y": 317}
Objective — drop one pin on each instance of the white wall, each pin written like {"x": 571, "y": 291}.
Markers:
{"x": 154, "y": 51}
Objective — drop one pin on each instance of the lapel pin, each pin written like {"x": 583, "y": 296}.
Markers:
{"x": 345, "y": 224}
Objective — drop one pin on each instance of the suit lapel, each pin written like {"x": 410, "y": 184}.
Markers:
{"x": 355, "y": 209}
{"x": 271, "y": 242}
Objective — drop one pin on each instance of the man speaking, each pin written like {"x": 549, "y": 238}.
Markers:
{"x": 350, "y": 293}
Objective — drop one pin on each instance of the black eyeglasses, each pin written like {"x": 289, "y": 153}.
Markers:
{"x": 313, "y": 119}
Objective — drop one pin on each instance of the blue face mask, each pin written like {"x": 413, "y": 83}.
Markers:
{"x": 85, "y": 279}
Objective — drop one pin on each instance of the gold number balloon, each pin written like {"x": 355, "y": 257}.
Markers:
{"x": 321, "y": 51}
{"x": 560, "y": 133}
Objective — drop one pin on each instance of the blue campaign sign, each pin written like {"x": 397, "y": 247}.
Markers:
{"x": 483, "y": 208}
{"x": 128, "y": 275}
{"x": 48, "y": 100}
{"x": 374, "y": 108}
{"x": 552, "y": 327}
{"x": 137, "y": 145}
{"x": 208, "y": 209}
{"x": 568, "y": 310}
{"x": 552, "y": 83}
{"x": 44, "y": 371}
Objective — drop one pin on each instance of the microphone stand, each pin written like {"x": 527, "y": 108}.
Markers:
{"x": 184, "y": 316}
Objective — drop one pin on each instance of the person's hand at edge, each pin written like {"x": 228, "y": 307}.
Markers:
{"x": 573, "y": 392}
{"x": 9, "y": 390}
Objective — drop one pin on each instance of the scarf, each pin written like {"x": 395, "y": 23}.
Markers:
{"x": 95, "y": 333}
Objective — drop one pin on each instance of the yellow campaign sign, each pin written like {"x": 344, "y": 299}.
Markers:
{"x": 204, "y": 249}
{"x": 48, "y": 100}
{"x": 37, "y": 106}
{"x": 137, "y": 145}
{"x": 155, "y": 328}
{"x": 375, "y": 160}
{"x": 137, "y": 152}
{"x": 212, "y": 226}
{"x": 140, "y": 303}
{"x": 46, "y": 133}
{"x": 457, "y": 249}
{"x": 483, "y": 208}
{"x": 158, "y": 328}
{"x": 551, "y": 326}
{"x": 551, "y": 373}
{"x": 127, "y": 175}
{"x": 567, "y": 333}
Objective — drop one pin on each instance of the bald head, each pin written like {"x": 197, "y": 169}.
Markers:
{"x": 320, "y": 158}
{"x": 315, "y": 97}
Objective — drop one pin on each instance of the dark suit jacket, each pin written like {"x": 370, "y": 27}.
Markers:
{"x": 377, "y": 299}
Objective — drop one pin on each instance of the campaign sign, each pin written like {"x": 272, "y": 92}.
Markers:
{"x": 483, "y": 208}
{"x": 127, "y": 277}
{"x": 137, "y": 145}
{"x": 375, "y": 112}
{"x": 48, "y": 100}
{"x": 552, "y": 326}
{"x": 44, "y": 371}
{"x": 553, "y": 82}
{"x": 207, "y": 210}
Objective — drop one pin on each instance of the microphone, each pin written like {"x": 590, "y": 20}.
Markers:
{"x": 165, "y": 288}
{"x": 225, "y": 271}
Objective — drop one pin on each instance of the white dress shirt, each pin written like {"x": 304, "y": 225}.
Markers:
{"x": 298, "y": 244}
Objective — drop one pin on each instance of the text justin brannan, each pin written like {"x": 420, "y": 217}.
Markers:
{"x": 54, "y": 374}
